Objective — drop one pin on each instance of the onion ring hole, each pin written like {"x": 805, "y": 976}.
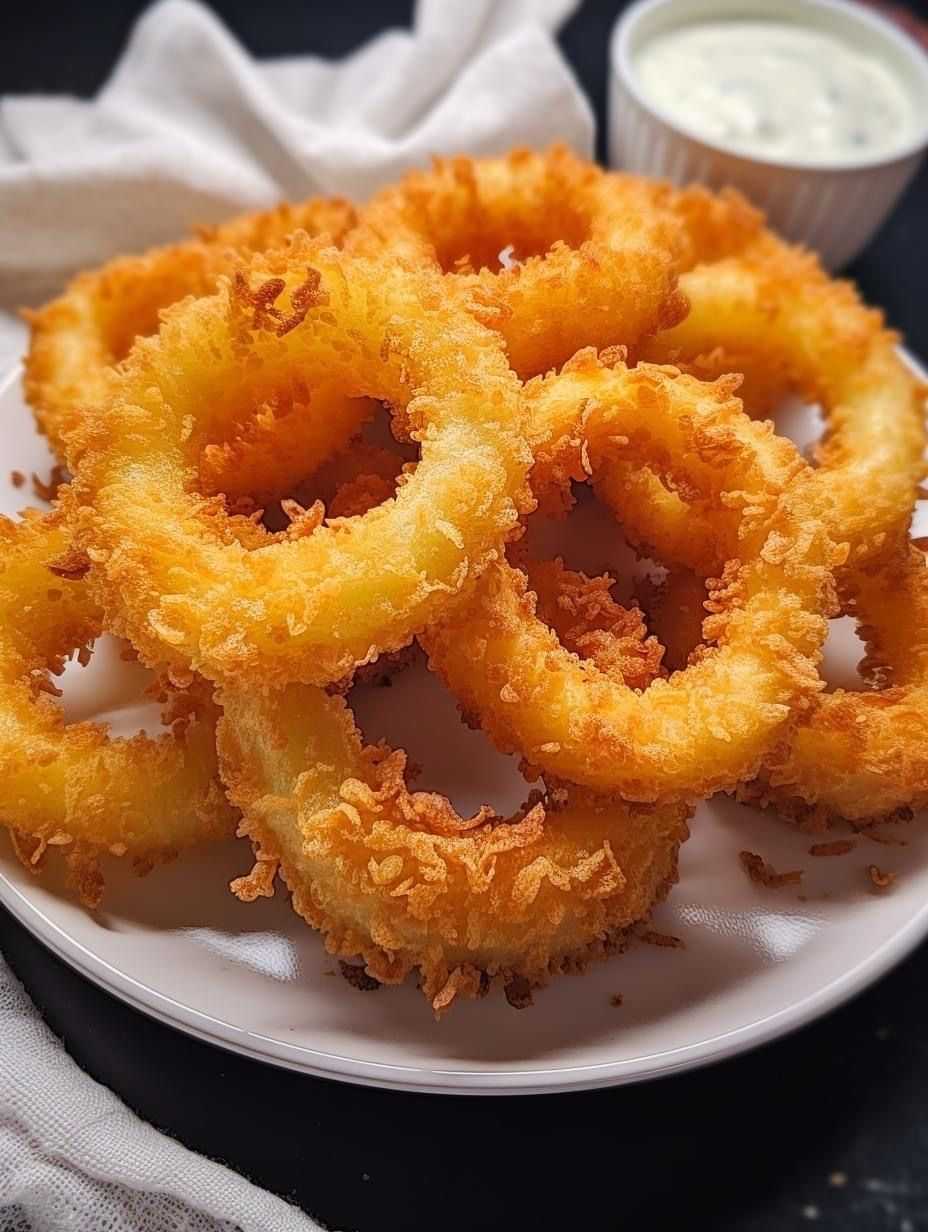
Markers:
{"x": 110, "y": 687}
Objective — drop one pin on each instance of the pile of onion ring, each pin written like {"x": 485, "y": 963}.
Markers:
{"x": 532, "y": 324}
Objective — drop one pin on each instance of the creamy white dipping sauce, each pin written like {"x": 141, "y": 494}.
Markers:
{"x": 778, "y": 90}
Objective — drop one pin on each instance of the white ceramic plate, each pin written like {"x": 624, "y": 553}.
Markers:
{"x": 253, "y": 978}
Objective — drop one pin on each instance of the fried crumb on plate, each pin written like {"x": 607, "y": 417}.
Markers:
{"x": 840, "y": 847}
{"x": 519, "y": 993}
{"x": 666, "y": 940}
{"x": 48, "y": 492}
{"x": 762, "y": 873}
{"x": 879, "y": 879}
{"x": 17, "y": 479}
{"x": 357, "y": 977}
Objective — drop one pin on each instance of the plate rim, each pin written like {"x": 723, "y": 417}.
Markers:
{"x": 433, "y": 1080}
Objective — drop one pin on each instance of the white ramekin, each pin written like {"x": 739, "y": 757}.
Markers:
{"x": 834, "y": 210}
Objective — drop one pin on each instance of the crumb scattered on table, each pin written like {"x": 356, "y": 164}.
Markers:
{"x": 616, "y": 999}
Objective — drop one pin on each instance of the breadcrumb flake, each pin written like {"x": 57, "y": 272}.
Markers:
{"x": 879, "y": 879}
{"x": 762, "y": 873}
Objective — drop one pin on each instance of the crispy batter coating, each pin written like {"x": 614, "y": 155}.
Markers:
{"x": 72, "y": 787}
{"x": 772, "y": 313}
{"x": 604, "y": 248}
{"x": 178, "y": 581}
{"x": 675, "y": 740}
{"x": 863, "y": 756}
{"x": 715, "y": 225}
{"x": 401, "y": 880}
{"x": 79, "y": 337}
{"x": 591, "y": 624}
{"x": 580, "y": 609}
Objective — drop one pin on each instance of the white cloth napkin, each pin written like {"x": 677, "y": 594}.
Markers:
{"x": 73, "y": 1157}
{"x": 189, "y": 128}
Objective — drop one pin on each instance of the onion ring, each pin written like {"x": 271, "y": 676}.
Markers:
{"x": 604, "y": 247}
{"x": 73, "y": 787}
{"x": 403, "y": 881}
{"x": 772, "y": 313}
{"x": 180, "y": 585}
{"x": 77, "y": 338}
{"x": 675, "y": 740}
{"x": 862, "y": 757}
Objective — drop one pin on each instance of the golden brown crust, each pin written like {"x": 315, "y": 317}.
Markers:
{"x": 401, "y": 880}
{"x": 772, "y": 313}
{"x": 72, "y": 788}
{"x": 604, "y": 247}
{"x": 183, "y": 584}
{"x": 591, "y": 624}
{"x": 765, "y": 612}
{"x": 78, "y": 338}
{"x": 862, "y": 757}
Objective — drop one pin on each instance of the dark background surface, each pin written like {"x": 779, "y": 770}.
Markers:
{"x": 827, "y": 1129}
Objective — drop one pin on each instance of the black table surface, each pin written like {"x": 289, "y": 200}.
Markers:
{"x": 827, "y": 1128}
